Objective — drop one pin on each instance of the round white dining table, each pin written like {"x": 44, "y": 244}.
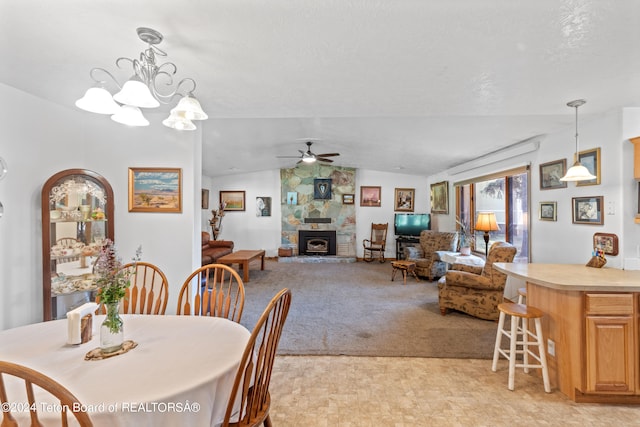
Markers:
{"x": 180, "y": 374}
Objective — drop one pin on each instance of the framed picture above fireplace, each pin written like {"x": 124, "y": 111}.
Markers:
{"x": 322, "y": 188}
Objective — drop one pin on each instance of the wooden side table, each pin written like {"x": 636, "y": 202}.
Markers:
{"x": 405, "y": 267}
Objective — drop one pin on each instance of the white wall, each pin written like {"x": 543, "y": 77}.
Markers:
{"x": 52, "y": 138}
{"x": 251, "y": 232}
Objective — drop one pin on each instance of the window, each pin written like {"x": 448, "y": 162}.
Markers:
{"x": 507, "y": 195}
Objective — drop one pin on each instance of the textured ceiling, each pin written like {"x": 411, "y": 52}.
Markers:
{"x": 393, "y": 85}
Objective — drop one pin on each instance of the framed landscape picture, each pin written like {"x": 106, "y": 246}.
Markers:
{"x": 348, "y": 199}
{"x": 548, "y": 211}
{"x": 440, "y": 197}
{"x": 590, "y": 159}
{"x": 403, "y": 200}
{"x": 233, "y": 200}
{"x": 155, "y": 190}
{"x": 588, "y": 210}
{"x": 370, "y": 196}
{"x": 550, "y": 174}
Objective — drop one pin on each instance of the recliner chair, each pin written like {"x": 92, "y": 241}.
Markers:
{"x": 476, "y": 290}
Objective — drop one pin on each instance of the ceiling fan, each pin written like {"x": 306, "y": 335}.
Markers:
{"x": 310, "y": 157}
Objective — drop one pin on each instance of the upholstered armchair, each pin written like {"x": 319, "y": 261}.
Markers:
{"x": 429, "y": 264}
{"x": 476, "y": 290}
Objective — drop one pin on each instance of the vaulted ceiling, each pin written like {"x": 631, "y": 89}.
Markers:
{"x": 393, "y": 85}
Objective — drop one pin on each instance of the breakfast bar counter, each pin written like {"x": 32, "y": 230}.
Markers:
{"x": 591, "y": 327}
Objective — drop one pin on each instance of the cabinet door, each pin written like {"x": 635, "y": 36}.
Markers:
{"x": 610, "y": 354}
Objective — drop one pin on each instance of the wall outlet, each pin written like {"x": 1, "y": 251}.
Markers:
{"x": 551, "y": 347}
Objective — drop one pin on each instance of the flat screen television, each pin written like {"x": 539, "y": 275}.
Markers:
{"x": 411, "y": 224}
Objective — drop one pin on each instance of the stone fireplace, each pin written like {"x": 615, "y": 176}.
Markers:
{"x": 316, "y": 242}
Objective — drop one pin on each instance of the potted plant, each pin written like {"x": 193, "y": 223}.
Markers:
{"x": 466, "y": 237}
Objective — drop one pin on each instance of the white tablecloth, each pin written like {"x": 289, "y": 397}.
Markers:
{"x": 179, "y": 361}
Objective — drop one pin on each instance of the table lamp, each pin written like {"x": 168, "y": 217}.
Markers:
{"x": 486, "y": 222}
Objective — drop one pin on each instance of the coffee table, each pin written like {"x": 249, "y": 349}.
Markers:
{"x": 243, "y": 258}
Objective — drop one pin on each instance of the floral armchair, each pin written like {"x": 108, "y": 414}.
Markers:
{"x": 428, "y": 263}
{"x": 476, "y": 290}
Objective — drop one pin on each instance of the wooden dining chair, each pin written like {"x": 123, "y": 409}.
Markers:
{"x": 149, "y": 290}
{"x": 148, "y": 293}
{"x": 68, "y": 402}
{"x": 251, "y": 386}
{"x": 212, "y": 290}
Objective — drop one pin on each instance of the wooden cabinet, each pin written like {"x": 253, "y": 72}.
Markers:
{"x": 610, "y": 354}
{"x": 77, "y": 211}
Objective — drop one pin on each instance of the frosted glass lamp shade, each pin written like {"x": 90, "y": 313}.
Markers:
{"x": 578, "y": 172}
{"x": 190, "y": 106}
{"x": 98, "y": 100}
{"x": 136, "y": 93}
{"x": 178, "y": 121}
{"x": 130, "y": 115}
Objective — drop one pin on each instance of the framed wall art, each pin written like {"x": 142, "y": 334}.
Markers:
{"x": 590, "y": 159}
{"x": 292, "y": 197}
{"x": 232, "y": 200}
{"x": 322, "y": 188}
{"x": 550, "y": 174}
{"x": 403, "y": 200}
{"x": 155, "y": 190}
{"x": 607, "y": 242}
{"x": 548, "y": 211}
{"x": 370, "y": 196}
{"x": 588, "y": 210}
{"x": 348, "y": 199}
{"x": 205, "y": 198}
{"x": 440, "y": 197}
{"x": 263, "y": 206}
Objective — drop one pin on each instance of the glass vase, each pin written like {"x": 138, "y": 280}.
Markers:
{"x": 112, "y": 329}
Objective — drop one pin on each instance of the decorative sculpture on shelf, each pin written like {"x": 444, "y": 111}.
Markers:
{"x": 216, "y": 221}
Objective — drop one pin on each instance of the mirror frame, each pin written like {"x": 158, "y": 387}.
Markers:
{"x": 46, "y": 227}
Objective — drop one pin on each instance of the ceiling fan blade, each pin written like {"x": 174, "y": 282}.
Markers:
{"x": 287, "y": 157}
{"x": 328, "y": 154}
{"x": 320, "y": 159}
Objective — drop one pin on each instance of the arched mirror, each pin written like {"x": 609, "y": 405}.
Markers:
{"x": 77, "y": 215}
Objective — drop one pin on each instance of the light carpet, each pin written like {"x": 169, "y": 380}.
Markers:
{"x": 355, "y": 309}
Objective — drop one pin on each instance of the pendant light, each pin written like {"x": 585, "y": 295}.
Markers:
{"x": 577, "y": 172}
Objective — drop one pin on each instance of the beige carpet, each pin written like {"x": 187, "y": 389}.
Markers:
{"x": 355, "y": 309}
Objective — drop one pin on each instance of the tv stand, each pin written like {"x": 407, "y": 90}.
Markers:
{"x": 401, "y": 242}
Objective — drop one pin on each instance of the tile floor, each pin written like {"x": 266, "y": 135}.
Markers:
{"x": 341, "y": 391}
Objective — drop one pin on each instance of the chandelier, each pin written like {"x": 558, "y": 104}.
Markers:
{"x": 144, "y": 90}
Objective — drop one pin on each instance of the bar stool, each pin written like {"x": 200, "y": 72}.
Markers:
{"x": 524, "y": 312}
{"x": 522, "y": 295}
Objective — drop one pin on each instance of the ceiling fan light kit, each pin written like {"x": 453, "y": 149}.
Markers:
{"x": 310, "y": 157}
{"x": 141, "y": 90}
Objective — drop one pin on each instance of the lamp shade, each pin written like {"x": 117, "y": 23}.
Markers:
{"x": 136, "y": 93}
{"x": 190, "y": 106}
{"x": 129, "y": 115}
{"x": 578, "y": 172}
{"x": 177, "y": 120}
{"x": 486, "y": 221}
{"x": 98, "y": 100}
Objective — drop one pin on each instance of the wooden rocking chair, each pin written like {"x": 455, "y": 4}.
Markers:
{"x": 375, "y": 246}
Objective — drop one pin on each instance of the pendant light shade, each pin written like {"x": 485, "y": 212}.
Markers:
{"x": 131, "y": 116}
{"x": 136, "y": 93}
{"x": 577, "y": 172}
{"x": 98, "y": 100}
{"x": 178, "y": 121}
{"x": 190, "y": 106}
